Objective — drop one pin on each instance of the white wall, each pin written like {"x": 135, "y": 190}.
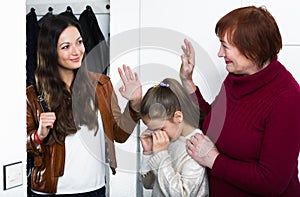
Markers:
{"x": 12, "y": 85}
{"x": 124, "y": 43}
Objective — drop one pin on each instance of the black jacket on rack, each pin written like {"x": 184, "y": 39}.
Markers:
{"x": 46, "y": 16}
{"x": 96, "y": 47}
{"x": 69, "y": 13}
{"x": 32, "y": 30}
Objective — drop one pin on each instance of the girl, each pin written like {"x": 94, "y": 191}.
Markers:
{"x": 171, "y": 118}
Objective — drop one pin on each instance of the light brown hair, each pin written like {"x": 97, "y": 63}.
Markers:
{"x": 162, "y": 101}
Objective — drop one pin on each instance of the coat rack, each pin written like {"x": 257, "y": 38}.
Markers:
{"x": 99, "y": 7}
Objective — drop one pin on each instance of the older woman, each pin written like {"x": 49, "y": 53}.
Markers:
{"x": 252, "y": 128}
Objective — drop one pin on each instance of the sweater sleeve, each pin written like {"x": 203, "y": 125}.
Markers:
{"x": 200, "y": 101}
{"x": 277, "y": 164}
{"x": 190, "y": 179}
{"x": 146, "y": 173}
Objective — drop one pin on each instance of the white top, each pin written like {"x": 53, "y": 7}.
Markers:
{"x": 173, "y": 172}
{"x": 84, "y": 161}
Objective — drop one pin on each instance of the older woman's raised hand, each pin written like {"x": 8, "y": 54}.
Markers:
{"x": 187, "y": 66}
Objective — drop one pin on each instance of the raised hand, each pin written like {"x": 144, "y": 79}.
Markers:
{"x": 187, "y": 66}
{"x": 187, "y": 61}
{"x": 132, "y": 88}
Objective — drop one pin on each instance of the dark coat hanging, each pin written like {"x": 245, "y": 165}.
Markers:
{"x": 69, "y": 13}
{"x": 97, "y": 49}
{"x": 46, "y": 16}
{"x": 32, "y": 30}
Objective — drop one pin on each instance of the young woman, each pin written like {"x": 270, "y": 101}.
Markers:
{"x": 73, "y": 139}
{"x": 254, "y": 150}
{"x": 171, "y": 118}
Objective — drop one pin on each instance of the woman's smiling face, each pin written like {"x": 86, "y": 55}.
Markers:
{"x": 235, "y": 61}
{"x": 70, "y": 49}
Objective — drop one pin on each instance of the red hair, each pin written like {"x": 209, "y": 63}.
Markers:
{"x": 254, "y": 31}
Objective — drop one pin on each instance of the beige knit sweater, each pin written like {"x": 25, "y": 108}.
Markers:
{"x": 173, "y": 172}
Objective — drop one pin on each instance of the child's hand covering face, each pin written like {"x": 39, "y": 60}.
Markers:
{"x": 161, "y": 141}
{"x": 154, "y": 141}
{"x": 146, "y": 140}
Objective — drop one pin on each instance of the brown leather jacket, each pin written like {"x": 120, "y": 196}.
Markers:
{"x": 49, "y": 161}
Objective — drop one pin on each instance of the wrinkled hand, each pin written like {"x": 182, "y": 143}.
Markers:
{"x": 202, "y": 150}
{"x": 187, "y": 61}
{"x": 187, "y": 66}
{"x": 146, "y": 141}
{"x": 161, "y": 141}
{"x": 132, "y": 88}
{"x": 47, "y": 120}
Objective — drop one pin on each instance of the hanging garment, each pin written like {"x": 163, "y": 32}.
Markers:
{"x": 96, "y": 47}
{"x": 46, "y": 16}
{"x": 69, "y": 13}
{"x": 32, "y": 30}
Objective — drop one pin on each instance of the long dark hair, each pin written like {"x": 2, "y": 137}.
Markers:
{"x": 162, "y": 101}
{"x": 54, "y": 90}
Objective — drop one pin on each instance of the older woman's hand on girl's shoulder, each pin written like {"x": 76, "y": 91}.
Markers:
{"x": 132, "y": 88}
{"x": 202, "y": 150}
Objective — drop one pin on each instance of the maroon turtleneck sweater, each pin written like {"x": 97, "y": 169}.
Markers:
{"x": 255, "y": 122}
